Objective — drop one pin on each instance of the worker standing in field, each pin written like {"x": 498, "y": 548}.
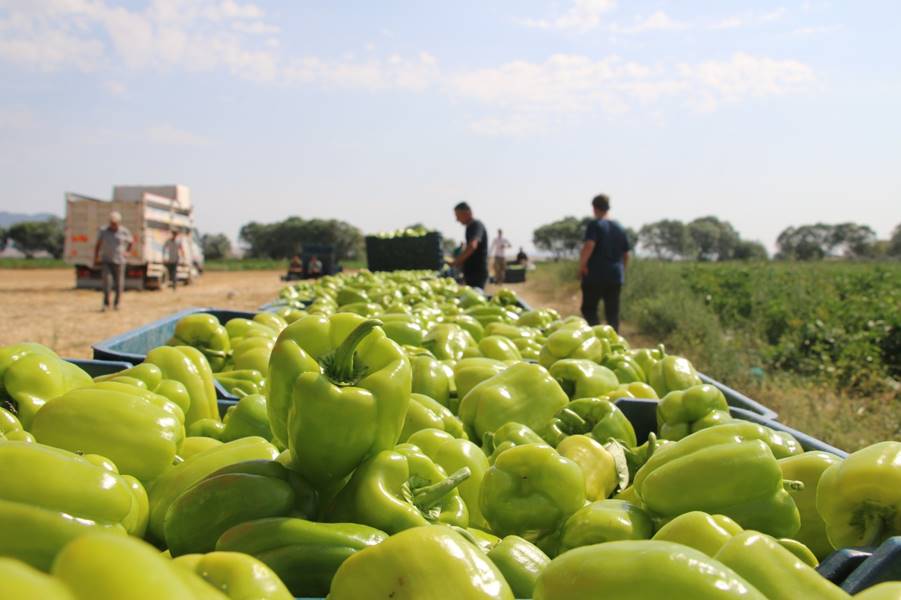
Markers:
{"x": 473, "y": 260}
{"x": 172, "y": 255}
{"x": 499, "y": 254}
{"x": 113, "y": 242}
{"x": 602, "y": 264}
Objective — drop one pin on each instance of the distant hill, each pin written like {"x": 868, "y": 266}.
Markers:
{"x": 8, "y": 218}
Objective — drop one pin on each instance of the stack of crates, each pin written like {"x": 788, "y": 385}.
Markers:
{"x": 405, "y": 253}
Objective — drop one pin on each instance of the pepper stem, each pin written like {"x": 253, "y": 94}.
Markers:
{"x": 341, "y": 368}
{"x": 792, "y": 485}
{"x": 426, "y": 497}
{"x": 572, "y": 420}
{"x": 874, "y": 526}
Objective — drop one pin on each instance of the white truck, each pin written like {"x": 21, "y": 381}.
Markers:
{"x": 151, "y": 213}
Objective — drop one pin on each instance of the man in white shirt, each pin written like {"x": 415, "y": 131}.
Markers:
{"x": 172, "y": 254}
{"x": 113, "y": 243}
{"x": 498, "y": 252}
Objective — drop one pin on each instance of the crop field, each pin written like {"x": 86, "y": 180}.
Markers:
{"x": 818, "y": 342}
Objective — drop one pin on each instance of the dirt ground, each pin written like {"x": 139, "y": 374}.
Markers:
{"x": 42, "y": 305}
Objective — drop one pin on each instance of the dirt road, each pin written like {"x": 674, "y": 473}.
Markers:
{"x": 42, "y": 305}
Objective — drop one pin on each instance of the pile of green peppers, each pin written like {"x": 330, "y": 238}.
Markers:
{"x": 402, "y": 436}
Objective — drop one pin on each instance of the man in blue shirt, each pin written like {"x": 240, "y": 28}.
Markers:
{"x": 602, "y": 264}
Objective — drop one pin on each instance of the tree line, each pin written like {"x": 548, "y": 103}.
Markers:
{"x": 711, "y": 239}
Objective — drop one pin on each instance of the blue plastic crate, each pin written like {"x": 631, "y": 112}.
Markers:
{"x": 133, "y": 346}
{"x": 97, "y": 368}
{"x": 643, "y": 416}
{"x": 884, "y": 564}
{"x": 739, "y": 400}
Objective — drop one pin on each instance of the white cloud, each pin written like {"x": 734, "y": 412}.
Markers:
{"x": 169, "y": 135}
{"x": 748, "y": 19}
{"x": 819, "y": 30}
{"x": 658, "y": 21}
{"x": 583, "y": 15}
{"x": 397, "y": 72}
{"x": 528, "y": 95}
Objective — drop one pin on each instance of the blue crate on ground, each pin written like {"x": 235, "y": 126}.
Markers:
{"x": 643, "y": 416}
{"x": 133, "y": 346}
{"x": 97, "y": 368}
{"x": 883, "y": 564}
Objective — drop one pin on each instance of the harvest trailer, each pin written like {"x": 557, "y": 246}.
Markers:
{"x": 150, "y": 213}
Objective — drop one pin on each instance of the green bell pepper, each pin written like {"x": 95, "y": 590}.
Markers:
{"x": 140, "y": 435}
{"x": 50, "y": 496}
{"x": 328, "y": 370}
{"x": 774, "y": 570}
{"x": 887, "y": 590}
{"x": 719, "y": 471}
{"x": 179, "y": 478}
{"x": 647, "y": 357}
{"x": 520, "y": 562}
{"x": 149, "y": 373}
{"x": 530, "y": 491}
{"x": 525, "y": 393}
{"x": 605, "y": 521}
{"x": 529, "y": 348}
{"x": 18, "y": 580}
{"x": 240, "y": 576}
{"x": 242, "y": 383}
{"x": 808, "y": 468}
{"x": 467, "y": 322}
{"x": 403, "y": 329}
{"x": 499, "y": 348}
{"x": 539, "y": 318}
{"x": 625, "y": 367}
{"x": 190, "y": 368}
{"x": 572, "y": 340}
{"x": 685, "y": 411}
{"x": 448, "y": 341}
{"x": 252, "y": 353}
{"x": 351, "y": 295}
{"x": 859, "y": 498}
{"x": 432, "y": 562}
{"x": 204, "y": 332}
{"x": 452, "y": 454}
{"x": 246, "y": 418}
{"x": 304, "y": 554}
{"x": 699, "y": 530}
{"x": 508, "y": 435}
{"x": 597, "y": 464}
{"x": 595, "y": 416}
{"x": 640, "y": 570}
{"x": 424, "y": 413}
{"x": 211, "y": 428}
{"x": 399, "y": 489}
{"x": 470, "y": 372}
{"x": 233, "y": 495}
{"x": 432, "y": 378}
{"x": 672, "y": 373}
{"x": 33, "y": 376}
{"x": 581, "y": 378}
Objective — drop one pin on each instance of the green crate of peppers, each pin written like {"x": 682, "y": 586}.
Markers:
{"x": 401, "y": 436}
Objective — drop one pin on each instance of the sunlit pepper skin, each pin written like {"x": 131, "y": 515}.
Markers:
{"x": 236, "y": 574}
{"x": 665, "y": 570}
{"x": 597, "y": 417}
{"x": 400, "y": 489}
{"x": 426, "y": 413}
{"x": 469, "y": 372}
{"x": 21, "y": 581}
{"x": 685, "y": 411}
{"x": 808, "y": 468}
{"x": 189, "y": 367}
{"x": 204, "y": 332}
{"x": 699, "y": 530}
{"x": 572, "y": 340}
{"x": 72, "y": 495}
{"x": 582, "y": 378}
{"x": 720, "y": 470}
{"x": 605, "y": 521}
{"x": 425, "y": 562}
{"x": 672, "y": 373}
{"x": 432, "y": 378}
{"x": 525, "y": 393}
{"x": 520, "y": 562}
{"x": 31, "y": 375}
{"x": 775, "y": 571}
{"x": 859, "y": 498}
{"x": 507, "y": 436}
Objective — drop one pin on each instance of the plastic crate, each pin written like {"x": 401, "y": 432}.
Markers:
{"x": 739, "y": 400}
{"x": 643, "y": 416}
{"x": 883, "y": 564}
{"x": 132, "y": 346}
{"x": 405, "y": 253}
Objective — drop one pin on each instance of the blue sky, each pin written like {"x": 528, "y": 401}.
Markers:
{"x": 766, "y": 114}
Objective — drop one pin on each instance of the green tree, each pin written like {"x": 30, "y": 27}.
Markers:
{"x": 807, "y": 242}
{"x": 562, "y": 238}
{"x": 2, "y": 239}
{"x": 668, "y": 239}
{"x": 30, "y": 237}
{"x": 749, "y": 250}
{"x": 894, "y": 243}
{"x": 286, "y": 238}
{"x": 713, "y": 239}
{"x": 216, "y": 246}
{"x": 853, "y": 240}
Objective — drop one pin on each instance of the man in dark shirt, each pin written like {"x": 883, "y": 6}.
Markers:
{"x": 473, "y": 261}
{"x": 602, "y": 264}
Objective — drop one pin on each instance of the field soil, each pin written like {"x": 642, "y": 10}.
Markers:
{"x": 42, "y": 305}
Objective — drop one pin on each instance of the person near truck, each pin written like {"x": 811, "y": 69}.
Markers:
{"x": 172, "y": 255}
{"x": 473, "y": 260}
{"x": 113, "y": 243}
{"x": 602, "y": 264}
{"x": 498, "y": 252}
{"x": 314, "y": 267}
